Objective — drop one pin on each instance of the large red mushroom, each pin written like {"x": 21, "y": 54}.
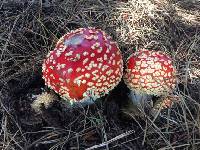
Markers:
{"x": 149, "y": 73}
{"x": 85, "y": 64}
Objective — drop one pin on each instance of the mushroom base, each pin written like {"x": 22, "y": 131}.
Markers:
{"x": 82, "y": 103}
{"x": 140, "y": 100}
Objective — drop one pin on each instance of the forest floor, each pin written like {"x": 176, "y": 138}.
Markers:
{"x": 29, "y": 30}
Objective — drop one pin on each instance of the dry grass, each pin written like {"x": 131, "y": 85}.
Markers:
{"x": 29, "y": 30}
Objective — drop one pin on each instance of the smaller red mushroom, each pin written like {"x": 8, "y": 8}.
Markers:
{"x": 148, "y": 73}
{"x": 85, "y": 64}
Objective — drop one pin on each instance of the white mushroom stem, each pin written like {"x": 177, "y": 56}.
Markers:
{"x": 87, "y": 101}
{"x": 139, "y": 99}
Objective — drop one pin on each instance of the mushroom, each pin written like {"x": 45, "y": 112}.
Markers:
{"x": 85, "y": 65}
{"x": 149, "y": 73}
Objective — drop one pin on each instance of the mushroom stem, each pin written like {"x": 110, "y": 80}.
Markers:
{"x": 87, "y": 101}
{"x": 139, "y": 99}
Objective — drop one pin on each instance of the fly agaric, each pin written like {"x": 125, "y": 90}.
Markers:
{"x": 85, "y": 64}
{"x": 149, "y": 73}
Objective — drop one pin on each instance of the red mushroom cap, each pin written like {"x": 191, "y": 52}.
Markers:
{"x": 150, "y": 72}
{"x": 85, "y": 63}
